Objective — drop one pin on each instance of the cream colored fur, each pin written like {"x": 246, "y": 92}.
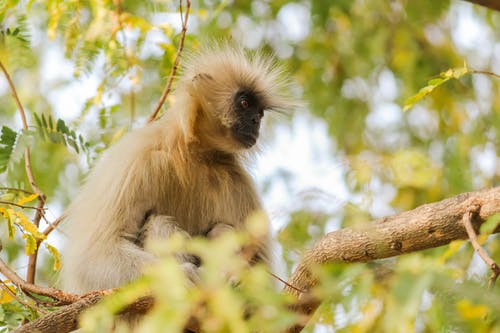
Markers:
{"x": 184, "y": 168}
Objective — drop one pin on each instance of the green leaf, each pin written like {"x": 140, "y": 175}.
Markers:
{"x": 490, "y": 225}
{"x": 7, "y": 142}
{"x": 58, "y": 132}
{"x": 452, "y": 73}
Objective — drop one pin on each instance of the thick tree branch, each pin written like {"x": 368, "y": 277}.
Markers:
{"x": 63, "y": 320}
{"x": 492, "y": 4}
{"x": 425, "y": 227}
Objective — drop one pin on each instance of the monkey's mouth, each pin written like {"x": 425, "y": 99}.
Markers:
{"x": 246, "y": 139}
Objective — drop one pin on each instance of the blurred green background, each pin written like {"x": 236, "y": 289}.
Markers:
{"x": 349, "y": 155}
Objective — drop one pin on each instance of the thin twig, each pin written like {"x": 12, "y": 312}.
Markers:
{"x": 486, "y": 73}
{"x": 20, "y": 206}
{"x": 5, "y": 188}
{"x": 16, "y": 98}
{"x": 6, "y": 288}
{"x": 52, "y": 226}
{"x": 30, "y": 275}
{"x": 467, "y": 221}
{"x": 168, "y": 87}
{"x": 56, "y": 294}
{"x": 288, "y": 285}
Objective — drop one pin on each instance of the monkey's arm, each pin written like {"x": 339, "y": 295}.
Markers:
{"x": 162, "y": 227}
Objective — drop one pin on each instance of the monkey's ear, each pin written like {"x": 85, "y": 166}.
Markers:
{"x": 202, "y": 77}
{"x": 199, "y": 83}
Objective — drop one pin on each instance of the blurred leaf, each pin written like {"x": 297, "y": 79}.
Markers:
{"x": 489, "y": 226}
{"x": 412, "y": 168}
{"x": 470, "y": 311}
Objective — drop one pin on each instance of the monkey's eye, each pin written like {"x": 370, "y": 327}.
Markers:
{"x": 244, "y": 103}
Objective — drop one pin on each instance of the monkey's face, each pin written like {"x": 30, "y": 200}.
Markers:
{"x": 248, "y": 114}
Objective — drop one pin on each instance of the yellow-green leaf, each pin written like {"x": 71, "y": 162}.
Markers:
{"x": 470, "y": 311}
{"x": 27, "y": 199}
{"x": 490, "y": 225}
{"x": 6, "y": 297}
{"x": 452, "y": 73}
{"x": 57, "y": 256}
{"x": 118, "y": 134}
{"x": 20, "y": 219}
{"x": 6, "y": 213}
{"x": 30, "y": 247}
{"x": 453, "y": 248}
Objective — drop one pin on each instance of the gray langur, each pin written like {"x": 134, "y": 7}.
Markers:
{"x": 182, "y": 173}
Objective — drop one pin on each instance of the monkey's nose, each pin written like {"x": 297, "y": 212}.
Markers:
{"x": 257, "y": 117}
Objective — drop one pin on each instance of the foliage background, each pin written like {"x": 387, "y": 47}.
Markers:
{"x": 351, "y": 155}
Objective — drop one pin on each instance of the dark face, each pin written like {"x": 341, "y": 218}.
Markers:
{"x": 249, "y": 112}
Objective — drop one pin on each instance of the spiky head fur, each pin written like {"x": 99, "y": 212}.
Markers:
{"x": 208, "y": 84}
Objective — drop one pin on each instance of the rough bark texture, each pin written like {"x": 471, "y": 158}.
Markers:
{"x": 425, "y": 227}
{"x": 492, "y": 4}
{"x": 63, "y": 320}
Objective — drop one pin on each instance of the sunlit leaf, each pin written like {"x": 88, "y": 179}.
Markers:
{"x": 468, "y": 310}
{"x": 27, "y": 199}
{"x": 6, "y": 213}
{"x": 26, "y": 224}
{"x": 452, "y": 73}
{"x": 57, "y": 256}
{"x": 30, "y": 246}
{"x": 5, "y": 296}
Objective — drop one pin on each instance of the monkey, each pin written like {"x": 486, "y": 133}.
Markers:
{"x": 185, "y": 172}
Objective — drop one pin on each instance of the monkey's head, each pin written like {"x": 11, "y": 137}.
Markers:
{"x": 232, "y": 91}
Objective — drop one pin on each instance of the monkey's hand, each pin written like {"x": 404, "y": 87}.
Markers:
{"x": 219, "y": 229}
{"x": 161, "y": 227}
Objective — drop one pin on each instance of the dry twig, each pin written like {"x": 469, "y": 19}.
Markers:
{"x": 467, "y": 221}
{"x": 168, "y": 87}
{"x": 60, "y": 297}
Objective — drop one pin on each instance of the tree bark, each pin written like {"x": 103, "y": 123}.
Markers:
{"x": 492, "y": 4}
{"x": 61, "y": 321}
{"x": 425, "y": 227}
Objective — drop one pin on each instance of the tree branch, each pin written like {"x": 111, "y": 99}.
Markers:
{"x": 61, "y": 297}
{"x": 425, "y": 227}
{"x": 492, "y": 4}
